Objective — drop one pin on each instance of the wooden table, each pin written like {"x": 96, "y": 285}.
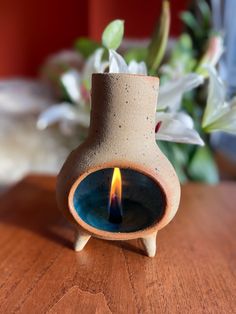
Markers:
{"x": 193, "y": 272}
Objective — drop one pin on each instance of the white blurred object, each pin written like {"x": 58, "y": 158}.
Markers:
{"x": 70, "y": 57}
{"x": 57, "y": 64}
{"x": 24, "y": 148}
{"x": 21, "y": 96}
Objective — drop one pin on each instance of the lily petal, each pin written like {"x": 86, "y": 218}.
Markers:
{"x": 184, "y": 118}
{"x": 226, "y": 121}
{"x": 94, "y": 65}
{"x": 216, "y": 105}
{"x": 116, "y": 63}
{"x": 214, "y": 52}
{"x": 137, "y": 67}
{"x": 173, "y": 128}
{"x": 171, "y": 93}
{"x": 62, "y": 112}
{"x": 71, "y": 81}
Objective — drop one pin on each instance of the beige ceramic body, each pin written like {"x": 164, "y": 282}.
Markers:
{"x": 122, "y": 134}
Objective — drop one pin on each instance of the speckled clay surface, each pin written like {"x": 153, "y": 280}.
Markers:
{"x": 122, "y": 134}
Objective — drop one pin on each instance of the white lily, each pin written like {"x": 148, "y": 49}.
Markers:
{"x": 172, "y": 126}
{"x": 94, "y": 64}
{"x": 176, "y": 127}
{"x": 214, "y": 51}
{"x": 65, "y": 114}
{"x": 137, "y": 67}
{"x": 212, "y": 55}
{"x": 219, "y": 115}
{"x": 71, "y": 80}
{"x": 117, "y": 64}
{"x": 171, "y": 93}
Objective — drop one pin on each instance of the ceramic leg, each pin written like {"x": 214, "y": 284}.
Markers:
{"x": 149, "y": 243}
{"x": 81, "y": 240}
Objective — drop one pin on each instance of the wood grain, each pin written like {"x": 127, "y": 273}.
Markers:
{"x": 193, "y": 272}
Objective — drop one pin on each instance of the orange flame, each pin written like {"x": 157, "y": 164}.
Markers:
{"x": 116, "y": 186}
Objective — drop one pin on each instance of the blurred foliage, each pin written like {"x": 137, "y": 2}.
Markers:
{"x": 137, "y": 54}
{"x": 202, "y": 166}
{"x": 198, "y": 24}
{"x": 158, "y": 43}
{"x": 86, "y": 46}
{"x": 191, "y": 162}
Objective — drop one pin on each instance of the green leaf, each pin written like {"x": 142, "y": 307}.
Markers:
{"x": 183, "y": 54}
{"x": 113, "y": 34}
{"x": 183, "y": 45}
{"x": 205, "y": 12}
{"x": 176, "y": 157}
{"x": 180, "y": 172}
{"x": 86, "y": 46}
{"x": 190, "y": 21}
{"x": 137, "y": 54}
{"x": 202, "y": 166}
{"x": 158, "y": 44}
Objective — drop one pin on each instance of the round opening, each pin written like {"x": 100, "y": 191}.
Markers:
{"x": 141, "y": 205}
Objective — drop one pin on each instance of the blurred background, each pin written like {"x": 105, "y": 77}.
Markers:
{"x": 31, "y": 31}
{"x": 39, "y": 37}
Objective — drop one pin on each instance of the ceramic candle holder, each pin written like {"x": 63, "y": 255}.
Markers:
{"x": 121, "y": 136}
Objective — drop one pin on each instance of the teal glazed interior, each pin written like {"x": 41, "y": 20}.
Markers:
{"x": 143, "y": 201}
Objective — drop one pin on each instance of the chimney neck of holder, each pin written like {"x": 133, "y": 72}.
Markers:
{"x": 123, "y": 105}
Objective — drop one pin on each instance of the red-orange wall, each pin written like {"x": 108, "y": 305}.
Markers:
{"x": 139, "y": 15}
{"x": 32, "y": 29}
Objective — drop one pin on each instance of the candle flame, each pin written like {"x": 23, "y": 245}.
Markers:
{"x": 116, "y": 186}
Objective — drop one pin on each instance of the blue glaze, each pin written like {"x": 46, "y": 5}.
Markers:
{"x": 143, "y": 201}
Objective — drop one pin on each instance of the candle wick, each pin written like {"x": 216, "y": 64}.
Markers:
{"x": 115, "y": 210}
